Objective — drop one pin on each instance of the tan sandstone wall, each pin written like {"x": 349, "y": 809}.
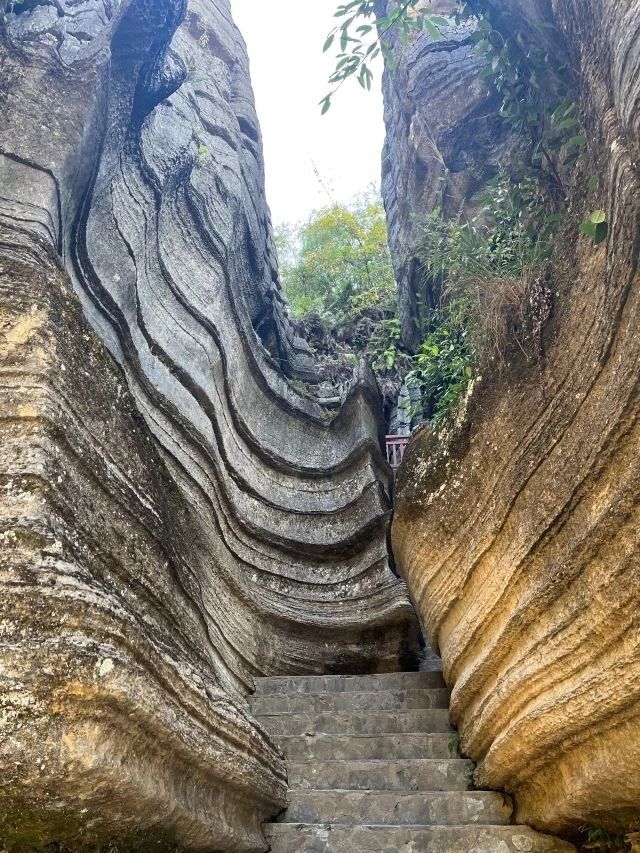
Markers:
{"x": 114, "y": 723}
{"x": 517, "y": 527}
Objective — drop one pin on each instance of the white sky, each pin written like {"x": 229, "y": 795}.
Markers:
{"x": 289, "y": 74}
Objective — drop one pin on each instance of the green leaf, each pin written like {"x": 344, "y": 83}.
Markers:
{"x": 326, "y": 103}
{"x": 596, "y": 230}
{"x": 566, "y": 123}
{"x": 602, "y": 229}
{"x": 433, "y": 31}
{"x": 592, "y": 183}
{"x": 328, "y": 42}
{"x": 577, "y": 142}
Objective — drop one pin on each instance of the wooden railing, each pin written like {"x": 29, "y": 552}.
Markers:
{"x": 396, "y": 445}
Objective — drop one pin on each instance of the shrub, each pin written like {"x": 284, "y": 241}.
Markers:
{"x": 487, "y": 273}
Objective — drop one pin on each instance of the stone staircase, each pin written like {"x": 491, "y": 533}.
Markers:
{"x": 373, "y": 766}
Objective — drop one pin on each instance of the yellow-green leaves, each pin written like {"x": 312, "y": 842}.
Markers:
{"x": 338, "y": 263}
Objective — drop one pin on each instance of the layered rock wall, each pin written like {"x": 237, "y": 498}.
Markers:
{"x": 516, "y": 526}
{"x": 183, "y": 520}
{"x": 115, "y": 722}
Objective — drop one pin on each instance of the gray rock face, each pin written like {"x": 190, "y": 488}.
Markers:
{"x": 236, "y": 530}
{"x": 443, "y": 142}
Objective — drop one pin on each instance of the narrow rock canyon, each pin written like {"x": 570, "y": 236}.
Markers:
{"x": 181, "y": 518}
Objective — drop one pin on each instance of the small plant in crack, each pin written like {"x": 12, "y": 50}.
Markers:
{"x": 599, "y": 839}
{"x": 596, "y": 227}
{"x": 203, "y": 153}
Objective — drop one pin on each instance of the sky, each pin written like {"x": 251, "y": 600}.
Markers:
{"x": 289, "y": 74}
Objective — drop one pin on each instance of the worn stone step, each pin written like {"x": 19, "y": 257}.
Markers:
{"x": 296, "y": 838}
{"x": 354, "y": 747}
{"x": 422, "y": 774}
{"x": 347, "y": 683}
{"x": 393, "y": 807}
{"x": 380, "y": 700}
{"x": 374, "y": 722}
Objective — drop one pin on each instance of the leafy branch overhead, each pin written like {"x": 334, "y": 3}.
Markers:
{"x": 537, "y": 92}
{"x": 535, "y": 96}
{"x": 487, "y": 276}
{"x": 361, "y": 37}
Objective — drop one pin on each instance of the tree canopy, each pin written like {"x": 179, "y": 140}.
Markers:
{"x": 337, "y": 275}
{"x": 337, "y": 263}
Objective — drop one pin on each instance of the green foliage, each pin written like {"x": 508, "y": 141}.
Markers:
{"x": 454, "y": 744}
{"x": 202, "y": 155}
{"x": 485, "y": 272}
{"x": 536, "y": 95}
{"x": 596, "y": 227}
{"x": 337, "y": 275}
{"x": 384, "y": 346}
{"x": 489, "y": 273}
{"x": 361, "y": 37}
{"x": 337, "y": 264}
{"x": 443, "y": 363}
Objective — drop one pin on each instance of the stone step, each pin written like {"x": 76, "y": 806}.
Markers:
{"x": 423, "y": 774}
{"x": 374, "y": 722}
{"x": 354, "y": 747}
{"x": 380, "y": 700}
{"x": 430, "y": 661}
{"x": 347, "y": 683}
{"x": 305, "y": 838}
{"x": 393, "y": 807}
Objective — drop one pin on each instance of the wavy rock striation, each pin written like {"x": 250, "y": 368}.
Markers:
{"x": 442, "y": 134}
{"x": 153, "y": 566}
{"x": 517, "y": 529}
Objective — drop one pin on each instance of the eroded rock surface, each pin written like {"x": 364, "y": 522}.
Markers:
{"x": 443, "y": 142}
{"x": 517, "y": 528}
{"x": 176, "y": 525}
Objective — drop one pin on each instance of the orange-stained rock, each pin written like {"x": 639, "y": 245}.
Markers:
{"x": 518, "y": 527}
